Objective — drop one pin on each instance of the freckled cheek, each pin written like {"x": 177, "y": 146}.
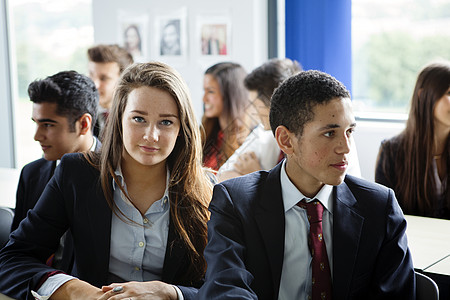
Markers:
{"x": 318, "y": 158}
{"x": 169, "y": 138}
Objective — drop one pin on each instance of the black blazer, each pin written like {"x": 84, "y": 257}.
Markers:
{"x": 73, "y": 199}
{"x": 245, "y": 250}
{"x": 389, "y": 157}
{"x": 33, "y": 179}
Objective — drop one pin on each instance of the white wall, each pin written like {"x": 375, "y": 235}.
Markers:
{"x": 248, "y": 45}
{"x": 368, "y": 136}
{"x": 248, "y": 31}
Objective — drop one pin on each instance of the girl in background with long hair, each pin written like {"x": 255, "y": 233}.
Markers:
{"x": 415, "y": 164}
{"x": 137, "y": 211}
{"x": 228, "y": 114}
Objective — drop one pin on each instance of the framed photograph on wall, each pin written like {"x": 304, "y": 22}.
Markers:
{"x": 133, "y": 34}
{"x": 171, "y": 36}
{"x": 214, "y": 36}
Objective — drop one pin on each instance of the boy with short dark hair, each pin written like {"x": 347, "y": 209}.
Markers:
{"x": 305, "y": 229}
{"x": 64, "y": 110}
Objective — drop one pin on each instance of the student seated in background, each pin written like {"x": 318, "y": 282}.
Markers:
{"x": 228, "y": 114}
{"x": 261, "y": 222}
{"x": 416, "y": 163}
{"x": 64, "y": 110}
{"x": 260, "y": 151}
{"x": 106, "y": 63}
{"x": 137, "y": 210}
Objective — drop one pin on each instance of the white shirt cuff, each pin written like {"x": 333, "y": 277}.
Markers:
{"x": 179, "y": 293}
{"x": 50, "y": 286}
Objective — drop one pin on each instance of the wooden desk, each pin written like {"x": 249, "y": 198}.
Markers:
{"x": 428, "y": 240}
{"x": 9, "y": 179}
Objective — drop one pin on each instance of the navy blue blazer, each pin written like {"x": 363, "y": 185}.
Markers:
{"x": 245, "y": 250}
{"x": 33, "y": 179}
{"x": 73, "y": 199}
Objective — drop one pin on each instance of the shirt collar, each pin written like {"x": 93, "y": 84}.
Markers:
{"x": 291, "y": 195}
{"x": 94, "y": 144}
{"x": 165, "y": 198}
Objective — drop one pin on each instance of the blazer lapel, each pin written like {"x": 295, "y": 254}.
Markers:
{"x": 270, "y": 219}
{"x": 174, "y": 255}
{"x": 45, "y": 174}
{"x": 347, "y": 227}
{"x": 100, "y": 217}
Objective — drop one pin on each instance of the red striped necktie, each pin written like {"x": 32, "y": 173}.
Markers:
{"x": 321, "y": 274}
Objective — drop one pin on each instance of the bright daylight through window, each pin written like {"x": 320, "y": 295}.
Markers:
{"x": 47, "y": 36}
{"x": 391, "y": 42}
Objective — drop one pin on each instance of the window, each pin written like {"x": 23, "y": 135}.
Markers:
{"x": 391, "y": 42}
{"x": 48, "y": 36}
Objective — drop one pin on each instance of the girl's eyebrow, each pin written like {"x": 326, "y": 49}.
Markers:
{"x": 163, "y": 115}
{"x": 168, "y": 115}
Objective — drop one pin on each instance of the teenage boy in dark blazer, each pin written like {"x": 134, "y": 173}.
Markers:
{"x": 257, "y": 235}
{"x": 64, "y": 110}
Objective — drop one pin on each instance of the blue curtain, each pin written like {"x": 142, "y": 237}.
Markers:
{"x": 318, "y": 35}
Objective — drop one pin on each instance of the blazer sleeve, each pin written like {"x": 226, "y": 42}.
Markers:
{"x": 226, "y": 275}
{"x": 22, "y": 260}
{"x": 394, "y": 276}
{"x": 20, "y": 208}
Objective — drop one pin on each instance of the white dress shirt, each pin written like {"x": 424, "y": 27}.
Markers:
{"x": 260, "y": 141}
{"x": 297, "y": 272}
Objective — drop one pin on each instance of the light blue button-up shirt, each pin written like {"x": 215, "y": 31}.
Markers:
{"x": 138, "y": 245}
{"x": 297, "y": 272}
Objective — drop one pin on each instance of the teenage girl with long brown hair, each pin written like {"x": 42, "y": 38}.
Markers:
{"x": 416, "y": 163}
{"x": 228, "y": 114}
{"x": 137, "y": 211}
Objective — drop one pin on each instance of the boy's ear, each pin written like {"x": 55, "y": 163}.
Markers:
{"x": 284, "y": 139}
{"x": 85, "y": 123}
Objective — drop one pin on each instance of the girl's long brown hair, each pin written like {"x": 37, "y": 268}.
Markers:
{"x": 415, "y": 184}
{"x": 236, "y": 107}
{"x": 190, "y": 189}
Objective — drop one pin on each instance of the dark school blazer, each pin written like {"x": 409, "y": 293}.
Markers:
{"x": 76, "y": 203}
{"x": 245, "y": 250}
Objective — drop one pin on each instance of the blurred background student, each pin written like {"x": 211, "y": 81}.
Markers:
{"x": 106, "y": 63}
{"x": 228, "y": 114}
{"x": 416, "y": 163}
{"x": 260, "y": 150}
{"x": 137, "y": 210}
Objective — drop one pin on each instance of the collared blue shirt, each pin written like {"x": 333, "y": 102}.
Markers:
{"x": 138, "y": 245}
{"x": 137, "y": 250}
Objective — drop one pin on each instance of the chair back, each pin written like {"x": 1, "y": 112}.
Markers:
{"x": 6, "y": 218}
{"x": 426, "y": 288}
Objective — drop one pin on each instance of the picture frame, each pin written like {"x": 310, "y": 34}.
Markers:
{"x": 133, "y": 34}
